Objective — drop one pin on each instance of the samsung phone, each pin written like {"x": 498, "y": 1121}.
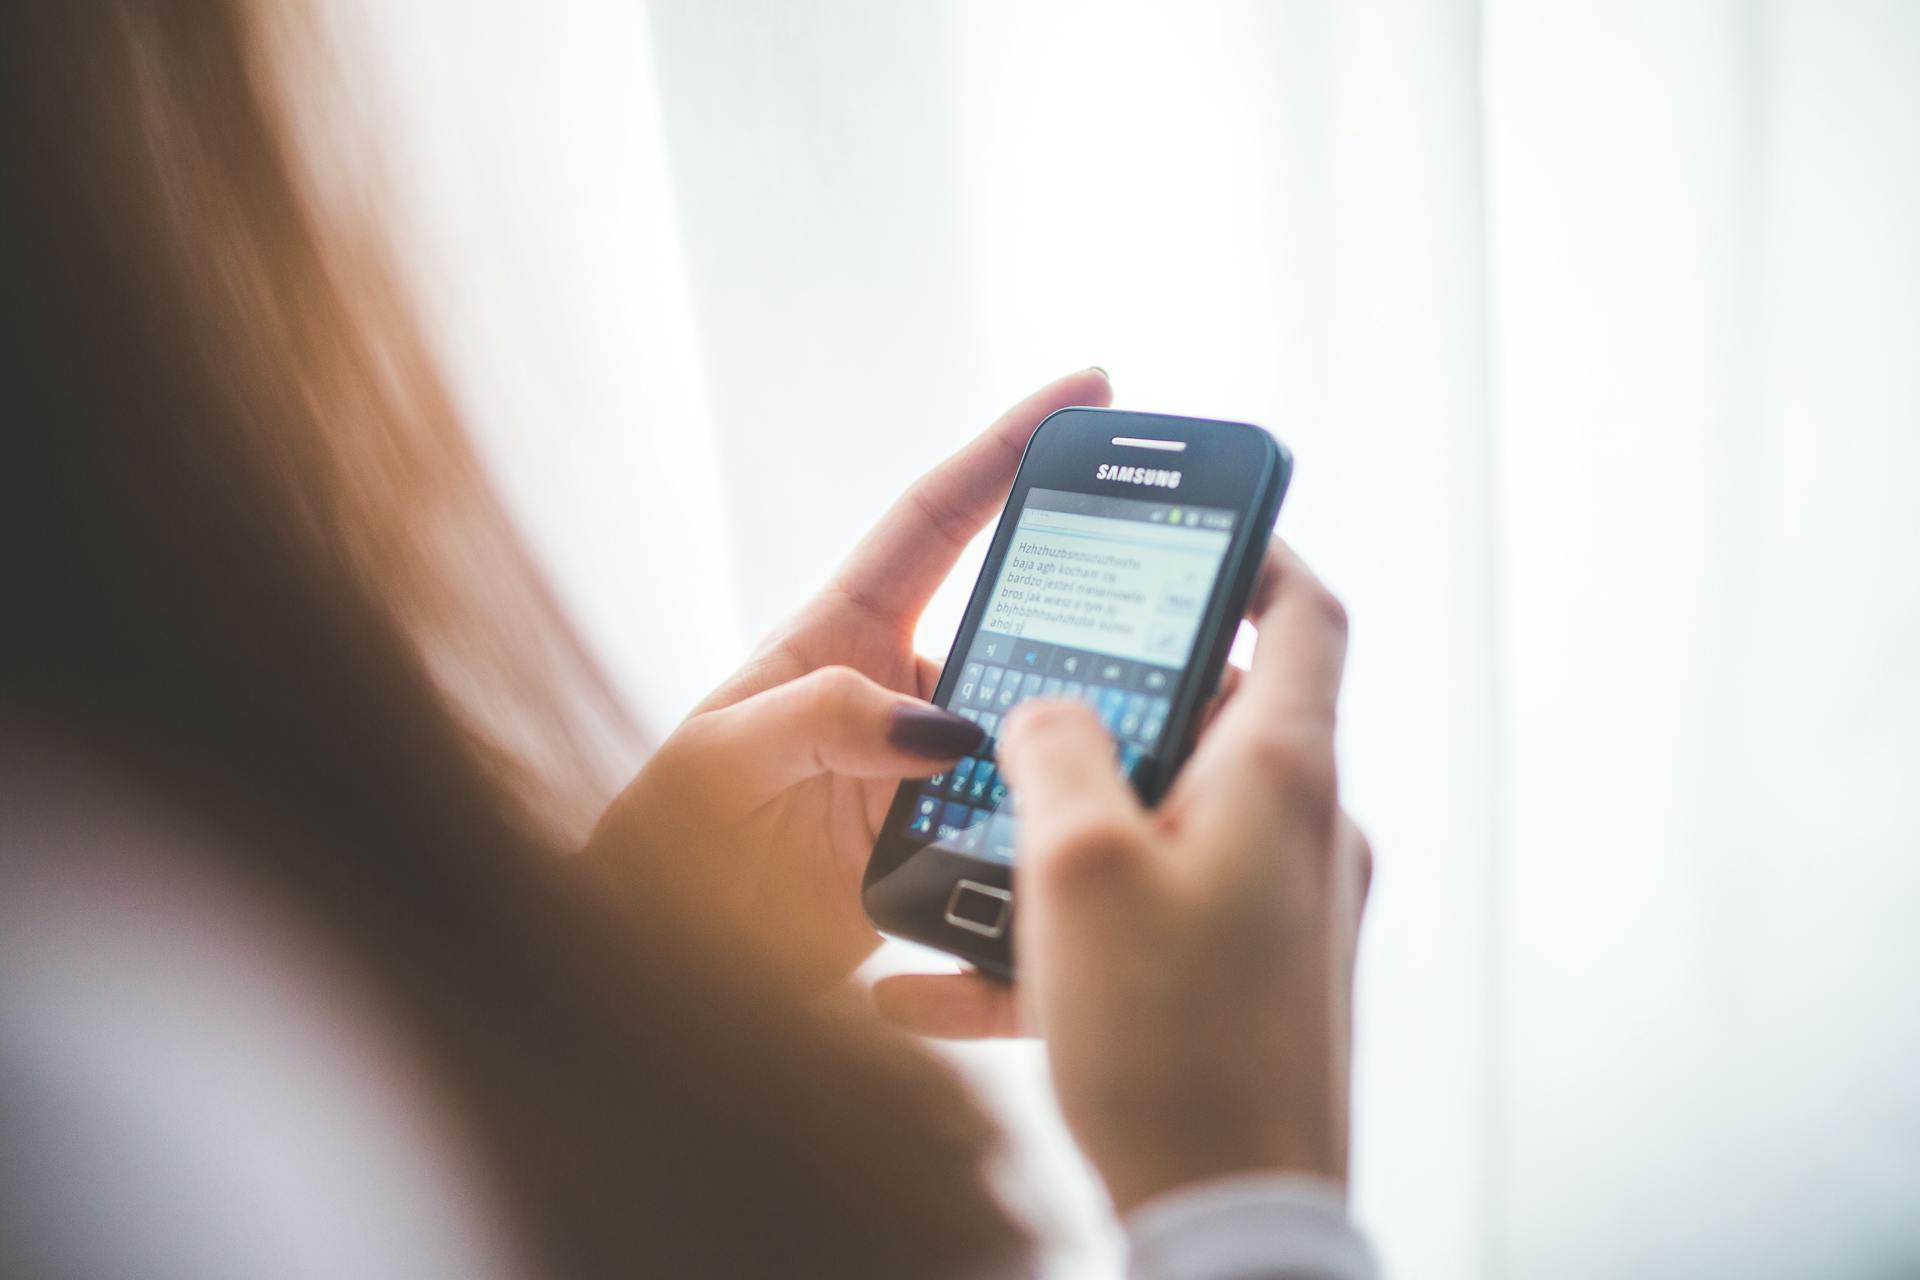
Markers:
{"x": 1117, "y": 576}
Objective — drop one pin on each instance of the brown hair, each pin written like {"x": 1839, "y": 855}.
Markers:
{"x": 247, "y": 551}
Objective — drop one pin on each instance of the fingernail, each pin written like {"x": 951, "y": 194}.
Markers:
{"x": 1094, "y": 368}
{"x": 931, "y": 732}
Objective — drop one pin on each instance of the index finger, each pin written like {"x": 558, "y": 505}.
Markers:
{"x": 896, "y": 568}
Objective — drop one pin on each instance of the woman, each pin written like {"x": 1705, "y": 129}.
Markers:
{"x": 294, "y": 979}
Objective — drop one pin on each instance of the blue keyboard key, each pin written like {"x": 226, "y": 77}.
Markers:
{"x": 982, "y": 778}
{"x": 954, "y": 819}
{"x": 926, "y": 810}
{"x": 1155, "y": 719}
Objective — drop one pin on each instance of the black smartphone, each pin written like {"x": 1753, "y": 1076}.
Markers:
{"x": 1118, "y": 575}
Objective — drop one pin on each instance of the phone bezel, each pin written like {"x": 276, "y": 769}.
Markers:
{"x": 1225, "y": 464}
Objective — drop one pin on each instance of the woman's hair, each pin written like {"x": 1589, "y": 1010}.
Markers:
{"x": 247, "y": 553}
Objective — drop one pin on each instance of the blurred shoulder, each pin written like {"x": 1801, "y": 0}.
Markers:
{"x": 194, "y": 1078}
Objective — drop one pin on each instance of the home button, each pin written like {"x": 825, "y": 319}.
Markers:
{"x": 979, "y": 908}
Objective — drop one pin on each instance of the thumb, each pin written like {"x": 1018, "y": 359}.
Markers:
{"x": 1079, "y": 820}
{"x": 833, "y": 720}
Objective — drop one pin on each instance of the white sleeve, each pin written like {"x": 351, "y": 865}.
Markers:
{"x": 1255, "y": 1226}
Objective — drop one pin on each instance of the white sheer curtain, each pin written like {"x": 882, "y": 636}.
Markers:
{"x": 1596, "y": 332}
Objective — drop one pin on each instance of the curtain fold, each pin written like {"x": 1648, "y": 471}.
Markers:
{"x": 1705, "y": 308}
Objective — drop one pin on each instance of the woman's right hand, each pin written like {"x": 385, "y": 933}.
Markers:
{"x": 1189, "y": 967}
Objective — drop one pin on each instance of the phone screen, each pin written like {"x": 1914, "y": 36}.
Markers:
{"x": 1099, "y": 599}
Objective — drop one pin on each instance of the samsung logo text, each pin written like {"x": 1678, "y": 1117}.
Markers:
{"x": 1152, "y": 476}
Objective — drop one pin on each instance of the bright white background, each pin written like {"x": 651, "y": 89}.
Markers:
{"x": 1595, "y": 329}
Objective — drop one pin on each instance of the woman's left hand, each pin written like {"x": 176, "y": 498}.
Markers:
{"x": 764, "y": 804}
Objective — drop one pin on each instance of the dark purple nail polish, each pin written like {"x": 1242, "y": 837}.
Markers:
{"x": 931, "y": 732}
